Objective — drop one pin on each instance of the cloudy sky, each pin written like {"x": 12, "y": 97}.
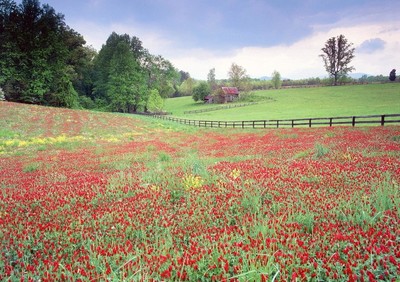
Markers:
{"x": 260, "y": 35}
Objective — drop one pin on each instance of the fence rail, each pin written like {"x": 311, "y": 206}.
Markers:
{"x": 220, "y": 108}
{"x": 303, "y": 122}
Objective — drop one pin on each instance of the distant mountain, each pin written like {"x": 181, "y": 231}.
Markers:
{"x": 357, "y": 75}
{"x": 265, "y": 78}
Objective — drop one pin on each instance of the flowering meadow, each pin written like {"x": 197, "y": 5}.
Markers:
{"x": 89, "y": 196}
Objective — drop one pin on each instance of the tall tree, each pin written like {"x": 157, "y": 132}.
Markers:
{"x": 337, "y": 55}
{"x": 162, "y": 75}
{"x": 126, "y": 83}
{"x": 117, "y": 68}
{"x": 238, "y": 76}
{"x": 186, "y": 88}
{"x": 36, "y": 54}
{"x": 102, "y": 63}
{"x": 154, "y": 72}
{"x": 212, "y": 83}
{"x": 276, "y": 80}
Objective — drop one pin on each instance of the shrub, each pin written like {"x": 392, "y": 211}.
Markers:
{"x": 201, "y": 91}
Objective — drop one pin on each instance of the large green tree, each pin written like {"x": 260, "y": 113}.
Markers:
{"x": 134, "y": 74}
{"x": 38, "y": 54}
{"x": 186, "y": 88}
{"x": 162, "y": 75}
{"x": 119, "y": 81}
{"x": 337, "y": 55}
{"x": 102, "y": 63}
{"x": 126, "y": 85}
{"x": 200, "y": 91}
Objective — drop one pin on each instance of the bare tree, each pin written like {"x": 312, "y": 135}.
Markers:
{"x": 237, "y": 75}
{"x": 211, "y": 79}
{"x": 337, "y": 55}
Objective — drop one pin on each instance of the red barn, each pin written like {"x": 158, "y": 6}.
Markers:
{"x": 223, "y": 95}
{"x": 228, "y": 94}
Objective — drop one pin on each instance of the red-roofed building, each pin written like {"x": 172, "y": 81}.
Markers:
{"x": 228, "y": 94}
{"x": 223, "y": 95}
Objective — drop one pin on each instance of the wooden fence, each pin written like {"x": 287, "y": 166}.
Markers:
{"x": 304, "y": 122}
{"x": 220, "y": 108}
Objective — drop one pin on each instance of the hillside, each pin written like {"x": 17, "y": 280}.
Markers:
{"x": 89, "y": 196}
{"x": 302, "y": 103}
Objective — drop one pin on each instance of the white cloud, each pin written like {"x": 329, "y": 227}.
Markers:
{"x": 301, "y": 59}
{"x": 97, "y": 35}
{"x": 94, "y": 34}
{"x": 298, "y": 60}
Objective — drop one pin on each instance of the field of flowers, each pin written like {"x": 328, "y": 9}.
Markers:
{"x": 87, "y": 196}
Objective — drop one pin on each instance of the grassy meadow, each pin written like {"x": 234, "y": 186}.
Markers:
{"x": 368, "y": 99}
{"x": 91, "y": 196}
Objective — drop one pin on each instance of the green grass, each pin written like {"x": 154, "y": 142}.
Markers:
{"x": 6, "y": 133}
{"x": 366, "y": 211}
{"x": 31, "y": 167}
{"x": 302, "y": 103}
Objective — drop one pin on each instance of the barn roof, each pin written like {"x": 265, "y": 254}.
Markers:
{"x": 230, "y": 90}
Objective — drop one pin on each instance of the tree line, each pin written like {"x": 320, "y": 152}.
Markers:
{"x": 43, "y": 61}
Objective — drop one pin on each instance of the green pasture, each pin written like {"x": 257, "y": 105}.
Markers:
{"x": 369, "y": 99}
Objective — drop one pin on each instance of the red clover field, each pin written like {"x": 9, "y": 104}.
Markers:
{"x": 90, "y": 196}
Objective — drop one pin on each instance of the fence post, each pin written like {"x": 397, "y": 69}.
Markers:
{"x": 277, "y": 124}
{"x": 353, "y": 122}
{"x": 382, "y": 120}
{"x": 330, "y": 122}
{"x": 309, "y": 123}
{"x": 292, "y": 123}
{"x": 265, "y": 123}
{"x": 242, "y": 124}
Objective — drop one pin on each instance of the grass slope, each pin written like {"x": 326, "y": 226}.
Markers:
{"x": 302, "y": 103}
{"x": 89, "y": 196}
